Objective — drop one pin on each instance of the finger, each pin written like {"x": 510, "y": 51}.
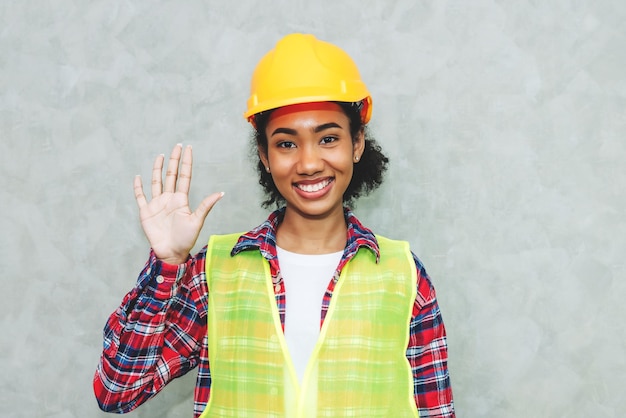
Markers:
{"x": 140, "y": 197}
{"x": 172, "y": 169}
{"x": 206, "y": 205}
{"x": 157, "y": 173}
{"x": 184, "y": 178}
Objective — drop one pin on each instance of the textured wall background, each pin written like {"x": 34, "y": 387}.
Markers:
{"x": 505, "y": 123}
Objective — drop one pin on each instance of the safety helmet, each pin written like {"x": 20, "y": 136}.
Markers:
{"x": 303, "y": 69}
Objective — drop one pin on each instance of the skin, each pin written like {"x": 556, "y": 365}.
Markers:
{"x": 169, "y": 224}
{"x": 310, "y": 155}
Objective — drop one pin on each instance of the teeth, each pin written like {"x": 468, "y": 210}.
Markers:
{"x": 310, "y": 188}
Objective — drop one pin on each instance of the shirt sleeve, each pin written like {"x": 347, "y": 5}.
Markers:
{"x": 427, "y": 352}
{"x": 154, "y": 336}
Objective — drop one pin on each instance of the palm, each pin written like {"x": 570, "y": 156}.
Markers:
{"x": 167, "y": 220}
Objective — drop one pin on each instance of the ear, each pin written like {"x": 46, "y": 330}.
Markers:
{"x": 263, "y": 156}
{"x": 358, "y": 144}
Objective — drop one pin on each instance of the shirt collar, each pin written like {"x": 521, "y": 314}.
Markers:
{"x": 263, "y": 237}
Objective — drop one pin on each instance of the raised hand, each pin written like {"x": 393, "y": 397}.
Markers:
{"x": 169, "y": 224}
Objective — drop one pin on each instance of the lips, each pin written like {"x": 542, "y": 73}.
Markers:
{"x": 314, "y": 187}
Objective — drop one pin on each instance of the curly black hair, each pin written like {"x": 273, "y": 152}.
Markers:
{"x": 367, "y": 174}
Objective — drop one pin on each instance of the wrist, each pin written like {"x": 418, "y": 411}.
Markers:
{"x": 170, "y": 257}
{"x": 173, "y": 260}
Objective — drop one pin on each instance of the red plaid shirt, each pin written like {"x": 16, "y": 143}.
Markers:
{"x": 159, "y": 331}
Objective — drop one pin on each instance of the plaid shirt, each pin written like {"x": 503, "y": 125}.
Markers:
{"x": 159, "y": 332}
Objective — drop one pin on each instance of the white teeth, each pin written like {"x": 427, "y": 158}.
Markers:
{"x": 310, "y": 188}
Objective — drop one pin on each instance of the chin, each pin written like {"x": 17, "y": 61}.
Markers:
{"x": 316, "y": 209}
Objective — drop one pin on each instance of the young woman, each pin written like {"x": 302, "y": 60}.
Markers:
{"x": 309, "y": 314}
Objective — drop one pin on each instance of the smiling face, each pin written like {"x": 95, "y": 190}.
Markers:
{"x": 310, "y": 154}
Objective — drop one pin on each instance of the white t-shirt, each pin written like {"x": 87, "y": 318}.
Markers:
{"x": 306, "y": 278}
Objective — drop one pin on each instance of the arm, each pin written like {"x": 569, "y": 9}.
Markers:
{"x": 154, "y": 336}
{"x": 428, "y": 352}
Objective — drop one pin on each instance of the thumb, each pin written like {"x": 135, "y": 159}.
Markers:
{"x": 206, "y": 205}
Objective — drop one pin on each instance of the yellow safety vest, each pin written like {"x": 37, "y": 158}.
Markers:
{"x": 358, "y": 367}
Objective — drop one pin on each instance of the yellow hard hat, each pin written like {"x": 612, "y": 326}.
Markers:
{"x": 303, "y": 69}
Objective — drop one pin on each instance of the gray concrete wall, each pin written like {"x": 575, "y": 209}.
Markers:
{"x": 505, "y": 123}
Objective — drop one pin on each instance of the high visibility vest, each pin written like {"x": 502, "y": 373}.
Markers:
{"x": 358, "y": 367}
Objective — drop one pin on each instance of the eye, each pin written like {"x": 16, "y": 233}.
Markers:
{"x": 328, "y": 139}
{"x": 285, "y": 144}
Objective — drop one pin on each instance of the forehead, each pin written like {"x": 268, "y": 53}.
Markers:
{"x": 308, "y": 109}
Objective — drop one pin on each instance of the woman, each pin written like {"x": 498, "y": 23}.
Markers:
{"x": 246, "y": 309}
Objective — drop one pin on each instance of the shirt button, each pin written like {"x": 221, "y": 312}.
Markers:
{"x": 160, "y": 279}
{"x": 277, "y": 288}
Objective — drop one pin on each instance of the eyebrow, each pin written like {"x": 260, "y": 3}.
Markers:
{"x": 317, "y": 129}
{"x": 325, "y": 126}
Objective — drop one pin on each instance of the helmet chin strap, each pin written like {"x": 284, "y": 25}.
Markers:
{"x": 365, "y": 109}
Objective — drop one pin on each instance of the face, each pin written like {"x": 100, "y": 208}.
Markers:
{"x": 310, "y": 154}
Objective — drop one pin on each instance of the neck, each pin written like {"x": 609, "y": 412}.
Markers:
{"x": 312, "y": 235}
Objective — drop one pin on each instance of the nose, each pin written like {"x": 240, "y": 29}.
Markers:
{"x": 310, "y": 161}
